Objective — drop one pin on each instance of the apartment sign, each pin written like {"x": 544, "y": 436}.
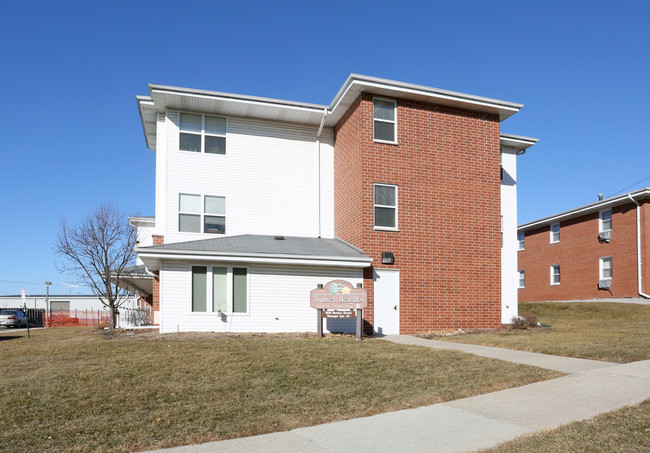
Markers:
{"x": 338, "y": 295}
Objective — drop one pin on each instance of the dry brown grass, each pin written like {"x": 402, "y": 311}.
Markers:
{"x": 591, "y": 330}
{"x": 623, "y": 431}
{"x": 75, "y": 389}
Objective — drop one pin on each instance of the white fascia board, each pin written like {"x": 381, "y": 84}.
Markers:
{"x": 518, "y": 142}
{"x": 154, "y": 258}
{"x": 587, "y": 209}
{"x": 147, "y": 110}
{"x": 359, "y": 82}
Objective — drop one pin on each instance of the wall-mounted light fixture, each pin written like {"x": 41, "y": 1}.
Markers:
{"x": 387, "y": 258}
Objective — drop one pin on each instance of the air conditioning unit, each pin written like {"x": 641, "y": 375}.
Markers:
{"x": 604, "y": 284}
{"x": 605, "y": 236}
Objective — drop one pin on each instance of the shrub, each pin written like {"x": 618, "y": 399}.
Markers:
{"x": 524, "y": 321}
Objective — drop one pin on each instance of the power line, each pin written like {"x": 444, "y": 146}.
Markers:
{"x": 623, "y": 190}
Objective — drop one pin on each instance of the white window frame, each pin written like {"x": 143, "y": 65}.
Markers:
{"x": 600, "y": 220}
{"x": 396, "y": 207}
{"x": 394, "y": 122}
{"x": 203, "y": 133}
{"x": 552, "y": 239}
{"x": 230, "y": 300}
{"x": 601, "y": 267}
{"x": 553, "y": 274}
{"x": 522, "y": 278}
{"x": 202, "y": 214}
{"x": 521, "y": 240}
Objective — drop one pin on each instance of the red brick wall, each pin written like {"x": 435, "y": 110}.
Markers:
{"x": 448, "y": 248}
{"x": 157, "y": 240}
{"x": 578, "y": 254}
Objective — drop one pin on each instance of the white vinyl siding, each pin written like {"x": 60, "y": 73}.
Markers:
{"x": 278, "y": 300}
{"x": 270, "y": 172}
{"x": 509, "y": 266}
{"x": 555, "y": 274}
{"x": 605, "y": 221}
{"x": 555, "y": 232}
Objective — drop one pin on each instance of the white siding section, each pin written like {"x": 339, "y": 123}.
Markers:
{"x": 269, "y": 176}
{"x": 509, "y": 271}
{"x": 278, "y": 301}
{"x": 327, "y": 182}
{"x": 161, "y": 173}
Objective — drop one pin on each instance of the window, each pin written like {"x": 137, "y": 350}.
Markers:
{"x": 606, "y": 268}
{"x": 555, "y": 232}
{"x": 555, "y": 274}
{"x": 198, "y": 214}
{"x": 521, "y": 237}
{"x": 219, "y": 288}
{"x": 605, "y": 221}
{"x": 202, "y": 133}
{"x": 384, "y": 120}
{"x": 522, "y": 279}
{"x": 385, "y": 206}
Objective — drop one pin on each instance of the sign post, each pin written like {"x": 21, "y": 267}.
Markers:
{"x": 339, "y": 299}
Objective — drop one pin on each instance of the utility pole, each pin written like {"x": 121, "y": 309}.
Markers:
{"x": 47, "y": 296}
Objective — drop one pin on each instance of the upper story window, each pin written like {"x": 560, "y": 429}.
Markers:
{"x": 521, "y": 239}
{"x": 385, "y": 206}
{"x": 522, "y": 279}
{"x": 605, "y": 221}
{"x": 201, "y": 214}
{"x": 202, "y": 134}
{"x": 384, "y": 120}
{"x": 555, "y": 232}
{"x": 555, "y": 274}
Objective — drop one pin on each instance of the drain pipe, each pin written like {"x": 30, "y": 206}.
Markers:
{"x": 638, "y": 247}
{"x": 320, "y": 130}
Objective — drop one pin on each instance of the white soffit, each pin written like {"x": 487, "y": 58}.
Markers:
{"x": 518, "y": 142}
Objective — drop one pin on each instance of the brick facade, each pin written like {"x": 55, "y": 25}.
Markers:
{"x": 578, "y": 253}
{"x": 155, "y": 284}
{"x": 448, "y": 247}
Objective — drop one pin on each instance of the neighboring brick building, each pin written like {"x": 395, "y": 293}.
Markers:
{"x": 407, "y": 189}
{"x": 592, "y": 252}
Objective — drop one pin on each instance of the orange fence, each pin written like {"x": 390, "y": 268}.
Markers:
{"x": 79, "y": 318}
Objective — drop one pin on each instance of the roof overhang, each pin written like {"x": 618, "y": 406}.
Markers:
{"x": 517, "y": 142}
{"x": 163, "y": 97}
{"x": 587, "y": 209}
{"x": 153, "y": 258}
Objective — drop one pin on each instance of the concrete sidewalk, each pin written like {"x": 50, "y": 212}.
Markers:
{"x": 465, "y": 425}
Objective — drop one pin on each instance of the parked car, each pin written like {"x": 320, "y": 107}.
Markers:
{"x": 13, "y": 318}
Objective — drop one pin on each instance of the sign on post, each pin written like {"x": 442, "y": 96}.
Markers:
{"x": 339, "y": 299}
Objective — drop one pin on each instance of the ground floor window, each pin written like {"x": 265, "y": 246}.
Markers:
{"x": 522, "y": 279}
{"x": 219, "y": 288}
{"x": 555, "y": 274}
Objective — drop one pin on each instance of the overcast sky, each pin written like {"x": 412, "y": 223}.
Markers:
{"x": 70, "y": 71}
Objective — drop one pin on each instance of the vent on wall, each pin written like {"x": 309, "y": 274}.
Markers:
{"x": 605, "y": 236}
{"x": 604, "y": 284}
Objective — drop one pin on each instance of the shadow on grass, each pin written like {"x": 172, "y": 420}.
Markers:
{"x": 10, "y": 337}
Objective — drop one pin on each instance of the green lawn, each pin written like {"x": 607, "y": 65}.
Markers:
{"x": 76, "y": 389}
{"x": 592, "y": 330}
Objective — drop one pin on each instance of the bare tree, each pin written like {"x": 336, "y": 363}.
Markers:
{"x": 98, "y": 250}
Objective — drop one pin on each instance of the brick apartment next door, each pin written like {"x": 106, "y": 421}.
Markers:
{"x": 386, "y": 307}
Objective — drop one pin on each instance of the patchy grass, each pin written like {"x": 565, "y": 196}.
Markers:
{"x": 591, "y": 330}
{"x": 624, "y": 431}
{"x": 76, "y": 389}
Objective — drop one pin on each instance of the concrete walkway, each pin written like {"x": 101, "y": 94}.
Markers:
{"x": 590, "y": 388}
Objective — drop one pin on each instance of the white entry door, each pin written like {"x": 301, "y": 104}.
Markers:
{"x": 386, "y": 289}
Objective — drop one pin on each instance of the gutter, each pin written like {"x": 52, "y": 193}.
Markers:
{"x": 638, "y": 247}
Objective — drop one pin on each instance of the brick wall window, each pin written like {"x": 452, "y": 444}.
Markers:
{"x": 385, "y": 204}
{"x": 202, "y": 134}
{"x": 384, "y": 120}
{"x": 522, "y": 279}
{"x": 521, "y": 238}
{"x": 201, "y": 214}
{"x": 555, "y": 274}
{"x": 605, "y": 221}
{"x": 555, "y": 232}
{"x": 605, "y": 268}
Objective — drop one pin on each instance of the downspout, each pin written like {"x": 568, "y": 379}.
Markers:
{"x": 318, "y": 182}
{"x": 638, "y": 247}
